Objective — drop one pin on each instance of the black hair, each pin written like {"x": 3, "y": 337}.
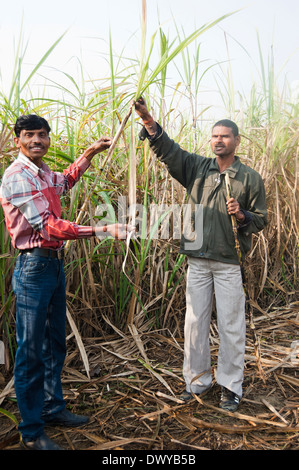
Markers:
{"x": 227, "y": 123}
{"x": 30, "y": 122}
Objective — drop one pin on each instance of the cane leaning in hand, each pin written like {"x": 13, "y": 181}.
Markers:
{"x": 233, "y": 218}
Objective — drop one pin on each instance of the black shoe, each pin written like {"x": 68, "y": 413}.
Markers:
{"x": 66, "y": 418}
{"x": 187, "y": 396}
{"x": 43, "y": 442}
{"x": 229, "y": 400}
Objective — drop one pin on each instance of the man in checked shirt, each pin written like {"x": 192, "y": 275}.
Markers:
{"x": 30, "y": 197}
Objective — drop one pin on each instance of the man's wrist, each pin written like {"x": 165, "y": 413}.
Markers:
{"x": 148, "y": 121}
{"x": 89, "y": 153}
{"x": 98, "y": 231}
{"x": 150, "y": 125}
{"x": 240, "y": 216}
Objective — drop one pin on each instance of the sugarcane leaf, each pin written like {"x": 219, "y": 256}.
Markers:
{"x": 168, "y": 57}
{"x": 39, "y": 64}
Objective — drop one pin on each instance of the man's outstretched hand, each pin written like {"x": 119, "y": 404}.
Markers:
{"x": 141, "y": 109}
{"x": 118, "y": 231}
{"x": 143, "y": 112}
{"x": 97, "y": 147}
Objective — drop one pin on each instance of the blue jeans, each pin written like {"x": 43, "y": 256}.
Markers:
{"x": 39, "y": 286}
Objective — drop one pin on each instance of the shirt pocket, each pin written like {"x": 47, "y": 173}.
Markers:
{"x": 34, "y": 267}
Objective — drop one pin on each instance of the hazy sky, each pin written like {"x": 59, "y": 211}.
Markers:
{"x": 88, "y": 23}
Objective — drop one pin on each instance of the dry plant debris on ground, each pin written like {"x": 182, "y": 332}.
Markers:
{"x": 132, "y": 395}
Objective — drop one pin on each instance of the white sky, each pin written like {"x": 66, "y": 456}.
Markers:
{"x": 88, "y": 23}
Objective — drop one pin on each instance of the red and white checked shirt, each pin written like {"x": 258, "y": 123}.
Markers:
{"x": 30, "y": 197}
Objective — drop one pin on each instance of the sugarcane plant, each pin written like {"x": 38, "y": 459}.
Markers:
{"x": 138, "y": 282}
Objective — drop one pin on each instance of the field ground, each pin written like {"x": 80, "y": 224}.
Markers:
{"x": 132, "y": 395}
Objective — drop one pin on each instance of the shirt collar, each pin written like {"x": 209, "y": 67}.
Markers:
{"x": 232, "y": 170}
{"x": 32, "y": 167}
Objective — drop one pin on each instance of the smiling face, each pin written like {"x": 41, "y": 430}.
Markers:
{"x": 34, "y": 144}
{"x": 223, "y": 142}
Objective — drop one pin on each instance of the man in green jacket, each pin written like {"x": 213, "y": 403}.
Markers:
{"x": 213, "y": 261}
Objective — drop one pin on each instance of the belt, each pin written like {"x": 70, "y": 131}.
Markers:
{"x": 47, "y": 253}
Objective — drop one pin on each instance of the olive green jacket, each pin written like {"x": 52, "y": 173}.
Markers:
{"x": 206, "y": 195}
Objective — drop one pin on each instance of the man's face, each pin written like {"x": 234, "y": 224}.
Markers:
{"x": 223, "y": 141}
{"x": 34, "y": 144}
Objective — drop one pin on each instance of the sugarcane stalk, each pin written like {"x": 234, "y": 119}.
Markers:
{"x": 108, "y": 156}
{"x": 109, "y": 153}
{"x": 233, "y": 220}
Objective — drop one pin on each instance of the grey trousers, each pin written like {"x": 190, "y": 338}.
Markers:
{"x": 203, "y": 278}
